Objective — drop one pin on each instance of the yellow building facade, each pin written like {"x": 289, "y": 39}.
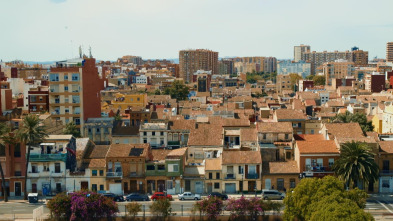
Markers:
{"x": 124, "y": 101}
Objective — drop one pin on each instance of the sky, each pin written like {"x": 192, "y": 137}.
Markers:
{"x": 50, "y": 30}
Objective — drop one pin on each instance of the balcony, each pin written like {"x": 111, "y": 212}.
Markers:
{"x": 319, "y": 169}
{"x": 230, "y": 176}
{"x": 173, "y": 143}
{"x": 114, "y": 174}
{"x": 48, "y": 157}
{"x": 252, "y": 176}
{"x": 135, "y": 174}
{"x": 386, "y": 172}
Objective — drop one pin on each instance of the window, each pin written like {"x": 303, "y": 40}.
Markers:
{"x": 144, "y": 133}
{"x": 150, "y": 167}
{"x": 161, "y": 167}
{"x": 17, "y": 150}
{"x": 66, "y": 77}
{"x": 308, "y": 164}
{"x": 67, "y": 110}
{"x": 98, "y": 130}
{"x": 264, "y": 136}
{"x": 210, "y": 176}
{"x": 117, "y": 166}
{"x": 173, "y": 168}
{"x": 94, "y": 172}
{"x": 75, "y": 77}
{"x": 75, "y": 99}
{"x": 331, "y": 162}
{"x": 286, "y": 136}
{"x": 57, "y": 167}
{"x": 77, "y": 121}
{"x": 101, "y": 172}
{"x": 34, "y": 168}
{"x": 292, "y": 183}
{"x": 153, "y": 133}
{"x": 94, "y": 187}
{"x": 217, "y": 176}
{"x": 216, "y": 185}
{"x": 280, "y": 184}
{"x": 144, "y": 140}
{"x": 117, "y": 141}
{"x": 241, "y": 170}
{"x": 33, "y": 98}
{"x": 319, "y": 162}
{"x": 162, "y": 133}
{"x": 385, "y": 184}
{"x": 385, "y": 165}
{"x": 2, "y": 150}
{"x": 54, "y": 77}
{"x": 101, "y": 187}
{"x": 65, "y": 88}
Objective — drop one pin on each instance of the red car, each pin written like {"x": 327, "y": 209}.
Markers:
{"x": 160, "y": 195}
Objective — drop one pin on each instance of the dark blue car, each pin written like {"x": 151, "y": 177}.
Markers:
{"x": 137, "y": 197}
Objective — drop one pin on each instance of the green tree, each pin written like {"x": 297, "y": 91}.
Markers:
{"x": 117, "y": 117}
{"x": 310, "y": 77}
{"x": 311, "y": 200}
{"x": 161, "y": 208}
{"x": 319, "y": 80}
{"x": 72, "y": 129}
{"x": 178, "y": 91}
{"x": 294, "y": 79}
{"x": 134, "y": 208}
{"x": 30, "y": 132}
{"x": 360, "y": 118}
{"x": 356, "y": 163}
{"x": 157, "y": 92}
{"x": 5, "y": 140}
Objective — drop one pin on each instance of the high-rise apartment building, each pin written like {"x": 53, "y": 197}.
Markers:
{"x": 225, "y": 66}
{"x": 389, "y": 52}
{"x": 359, "y": 57}
{"x": 338, "y": 69}
{"x": 257, "y": 64}
{"x": 299, "y": 50}
{"x": 74, "y": 93}
{"x": 191, "y": 61}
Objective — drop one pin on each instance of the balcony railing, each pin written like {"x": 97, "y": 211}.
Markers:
{"x": 114, "y": 174}
{"x": 173, "y": 143}
{"x": 135, "y": 174}
{"x": 319, "y": 169}
{"x": 252, "y": 176}
{"x": 48, "y": 157}
{"x": 386, "y": 172}
{"x": 230, "y": 176}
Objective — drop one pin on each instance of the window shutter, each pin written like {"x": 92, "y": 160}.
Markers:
{"x": 246, "y": 169}
{"x": 258, "y": 170}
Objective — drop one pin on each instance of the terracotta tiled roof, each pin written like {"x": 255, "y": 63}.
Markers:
{"x": 248, "y": 134}
{"x": 386, "y": 146}
{"x": 178, "y": 152}
{"x": 126, "y": 150}
{"x": 99, "y": 152}
{"x": 335, "y": 103}
{"x": 159, "y": 154}
{"x": 345, "y": 130}
{"x": 236, "y": 123}
{"x": 95, "y": 163}
{"x": 283, "y": 167}
{"x": 206, "y": 135}
{"x": 182, "y": 124}
{"x": 241, "y": 157}
{"x": 275, "y": 127}
{"x": 317, "y": 147}
{"x": 213, "y": 164}
{"x": 310, "y": 103}
{"x": 287, "y": 114}
{"x": 308, "y": 137}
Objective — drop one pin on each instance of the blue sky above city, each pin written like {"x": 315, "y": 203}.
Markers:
{"x": 47, "y": 30}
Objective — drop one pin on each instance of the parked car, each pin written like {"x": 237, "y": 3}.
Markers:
{"x": 137, "y": 197}
{"x": 160, "y": 195}
{"x": 272, "y": 195}
{"x": 189, "y": 196}
{"x": 219, "y": 195}
{"x": 116, "y": 198}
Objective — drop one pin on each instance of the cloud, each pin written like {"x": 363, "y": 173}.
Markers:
{"x": 58, "y": 1}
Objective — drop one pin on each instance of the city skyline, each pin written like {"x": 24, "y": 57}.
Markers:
{"x": 155, "y": 29}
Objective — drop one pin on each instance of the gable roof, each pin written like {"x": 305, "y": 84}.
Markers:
{"x": 128, "y": 150}
{"x": 274, "y": 127}
{"x": 288, "y": 114}
{"x": 317, "y": 147}
{"x": 344, "y": 130}
{"x": 386, "y": 146}
{"x": 213, "y": 164}
{"x": 286, "y": 167}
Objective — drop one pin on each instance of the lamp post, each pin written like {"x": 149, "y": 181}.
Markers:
{"x": 181, "y": 183}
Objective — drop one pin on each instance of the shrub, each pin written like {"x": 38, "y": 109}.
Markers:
{"x": 82, "y": 205}
{"x": 161, "y": 207}
{"x": 211, "y": 206}
{"x": 243, "y": 207}
{"x": 60, "y": 206}
{"x": 134, "y": 208}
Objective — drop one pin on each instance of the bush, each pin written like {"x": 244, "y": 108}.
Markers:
{"x": 211, "y": 206}
{"x": 82, "y": 205}
{"x": 134, "y": 208}
{"x": 161, "y": 207}
{"x": 60, "y": 206}
{"x": 243, "y": 207}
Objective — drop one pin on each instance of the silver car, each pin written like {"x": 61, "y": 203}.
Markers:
{"x": 272, "y": 195}
{"x": 189, "y": 196}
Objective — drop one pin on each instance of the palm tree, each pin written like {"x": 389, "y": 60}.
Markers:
{"x": 30, "y": 132}
{"x": 356, "y": 163}
{"x": 5, "y": 140}
{"x": 72, "y": 129}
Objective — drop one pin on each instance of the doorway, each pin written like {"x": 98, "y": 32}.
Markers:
{"x": 34, "y": 188}
{"x": 84, "y": 185}
{"x": 18, "y": 189}
{"x": 125, "y": 187}
{"x": 209, "y": 187}
{"x": 251, "y": 186}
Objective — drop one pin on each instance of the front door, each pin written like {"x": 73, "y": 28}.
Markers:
{"x": 199, "y": 187}
{"x": 18, "y": 189}
{"x": 84, "y": 185}
{"x": 268, "y": 184}
{"x": 251, "y": 186}
{"x": 133, "y": 186}
{"x": 34, "y": 188}
{"x": 125, "y": 187}
{"x": 161, "y": 185}
{"x": 209, "y": 187}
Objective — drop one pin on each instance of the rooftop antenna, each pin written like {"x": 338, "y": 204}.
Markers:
{"x": 90, "y": 55}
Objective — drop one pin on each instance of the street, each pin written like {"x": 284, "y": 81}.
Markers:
{"x": 18, "y": 210}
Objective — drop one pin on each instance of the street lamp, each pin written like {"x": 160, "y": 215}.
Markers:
{"x": 181, "y": 183}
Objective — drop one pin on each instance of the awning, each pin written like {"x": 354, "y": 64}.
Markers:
{"x": 47, "y": 144}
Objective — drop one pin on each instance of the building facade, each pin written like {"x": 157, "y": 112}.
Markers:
{"x": 191, "y": 61}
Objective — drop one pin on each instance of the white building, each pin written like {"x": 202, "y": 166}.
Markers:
{"x": 154, "y": 133}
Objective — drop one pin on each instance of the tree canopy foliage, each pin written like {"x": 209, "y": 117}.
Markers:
{"x": 319, "y": 80}
{"x": 178, "y": 91}
{"x": 325, "y": 199}
{"x": 253, "y": 77}
{"x": 360, "y": 118}
{"x": 356, "y": 163}
{"x": 72, "y": 129}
